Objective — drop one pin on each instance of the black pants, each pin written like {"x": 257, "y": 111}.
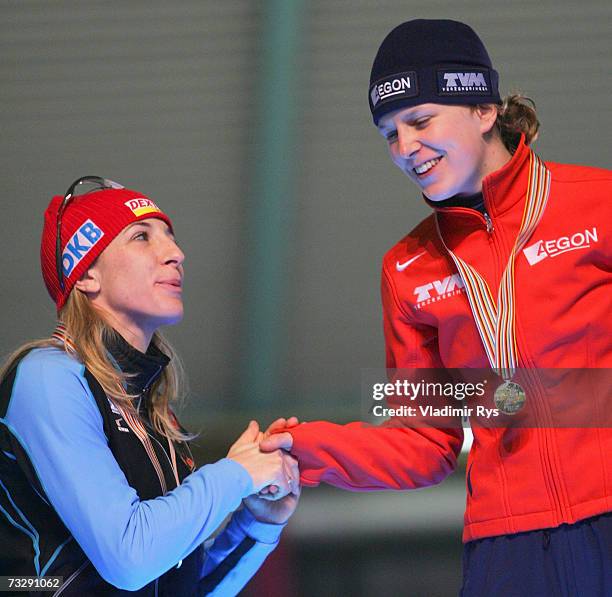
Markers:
{"x": 567, "y": 561}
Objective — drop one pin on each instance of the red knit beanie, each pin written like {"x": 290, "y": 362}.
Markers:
{"x": 89, "y": 223}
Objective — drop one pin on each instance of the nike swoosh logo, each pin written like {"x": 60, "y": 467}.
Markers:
{"x": 402, "y": 266}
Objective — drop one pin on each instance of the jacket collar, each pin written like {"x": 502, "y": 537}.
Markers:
{"x": 501, "y": 189}
{"x": 142, "y": 369}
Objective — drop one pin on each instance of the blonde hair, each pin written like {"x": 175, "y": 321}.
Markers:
{"x": 516, "y": 115}
{"x": 89, "y": 334}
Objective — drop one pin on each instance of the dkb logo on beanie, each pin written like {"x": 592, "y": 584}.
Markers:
{"x": 81, "y": 242}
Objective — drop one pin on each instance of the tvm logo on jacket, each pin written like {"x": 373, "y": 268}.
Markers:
{"x": 553, "y": 248}
{"x": 438, "y": 290}
{"x": 457, "y": 82}
{"x": 79, "y": 244}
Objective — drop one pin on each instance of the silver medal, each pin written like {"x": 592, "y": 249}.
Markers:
{"x": 509, "y": 397}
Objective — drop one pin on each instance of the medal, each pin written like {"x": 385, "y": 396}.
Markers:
{"x": 509, "y": 397}
{"x": 495, "y": 319}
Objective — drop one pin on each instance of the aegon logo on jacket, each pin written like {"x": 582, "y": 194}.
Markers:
{"x": 438, "y": 290}
{"x": 552, "y": 248}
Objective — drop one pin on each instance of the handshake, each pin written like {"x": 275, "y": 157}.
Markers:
{"x": 274, "y": 472}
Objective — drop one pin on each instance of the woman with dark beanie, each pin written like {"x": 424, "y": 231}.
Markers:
{"x": 97, "y": 482}
{"x": 524, "y": 248}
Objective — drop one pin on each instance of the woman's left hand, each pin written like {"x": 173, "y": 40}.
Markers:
{"x": 273, "y": 511}
{"x": 269, "y": 506}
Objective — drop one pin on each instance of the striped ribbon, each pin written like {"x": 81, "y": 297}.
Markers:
{"x": 132, "y": 420}
{"x": 495, "y": 321}
{"x": 60, "y": 333}
{"x": 135, "y": 424}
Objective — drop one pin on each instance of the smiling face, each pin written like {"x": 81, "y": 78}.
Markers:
{"x": 137, "y": 281}
{"x": 444, "y": 149}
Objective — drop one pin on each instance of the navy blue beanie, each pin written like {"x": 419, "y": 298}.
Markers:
{"x": 431, "y": 61}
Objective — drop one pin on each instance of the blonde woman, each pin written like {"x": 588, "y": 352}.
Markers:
{"x": 97, "y": 482}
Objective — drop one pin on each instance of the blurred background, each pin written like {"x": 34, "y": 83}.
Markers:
{"x": 247, "y": 121}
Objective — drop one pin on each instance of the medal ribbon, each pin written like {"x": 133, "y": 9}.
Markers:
{"x": 133, "y": 422}
{"x": 495, "y": 321}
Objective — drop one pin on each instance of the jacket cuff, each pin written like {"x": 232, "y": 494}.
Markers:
{"x": 262, "y": 532}
{"x": 301, "y": 437}
{"x": 230, "y": 469}
{"x": 306, "y": 448}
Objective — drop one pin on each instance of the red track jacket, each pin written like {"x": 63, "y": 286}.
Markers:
{"x": 518, "y": 479}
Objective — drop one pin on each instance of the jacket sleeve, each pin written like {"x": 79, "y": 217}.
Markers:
{"x": 53, "y": 414}
{"x": 391, "y": 456}
{"x": 236, "y": 554}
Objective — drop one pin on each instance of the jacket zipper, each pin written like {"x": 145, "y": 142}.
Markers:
{"x": 483, "y": 216}
{"x": 144, "y": 390}
{"x": 498, "y": 273}
{"x": 489, "y": 222}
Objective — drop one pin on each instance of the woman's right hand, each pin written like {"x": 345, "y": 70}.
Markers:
{"x": 271, "y": 468}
